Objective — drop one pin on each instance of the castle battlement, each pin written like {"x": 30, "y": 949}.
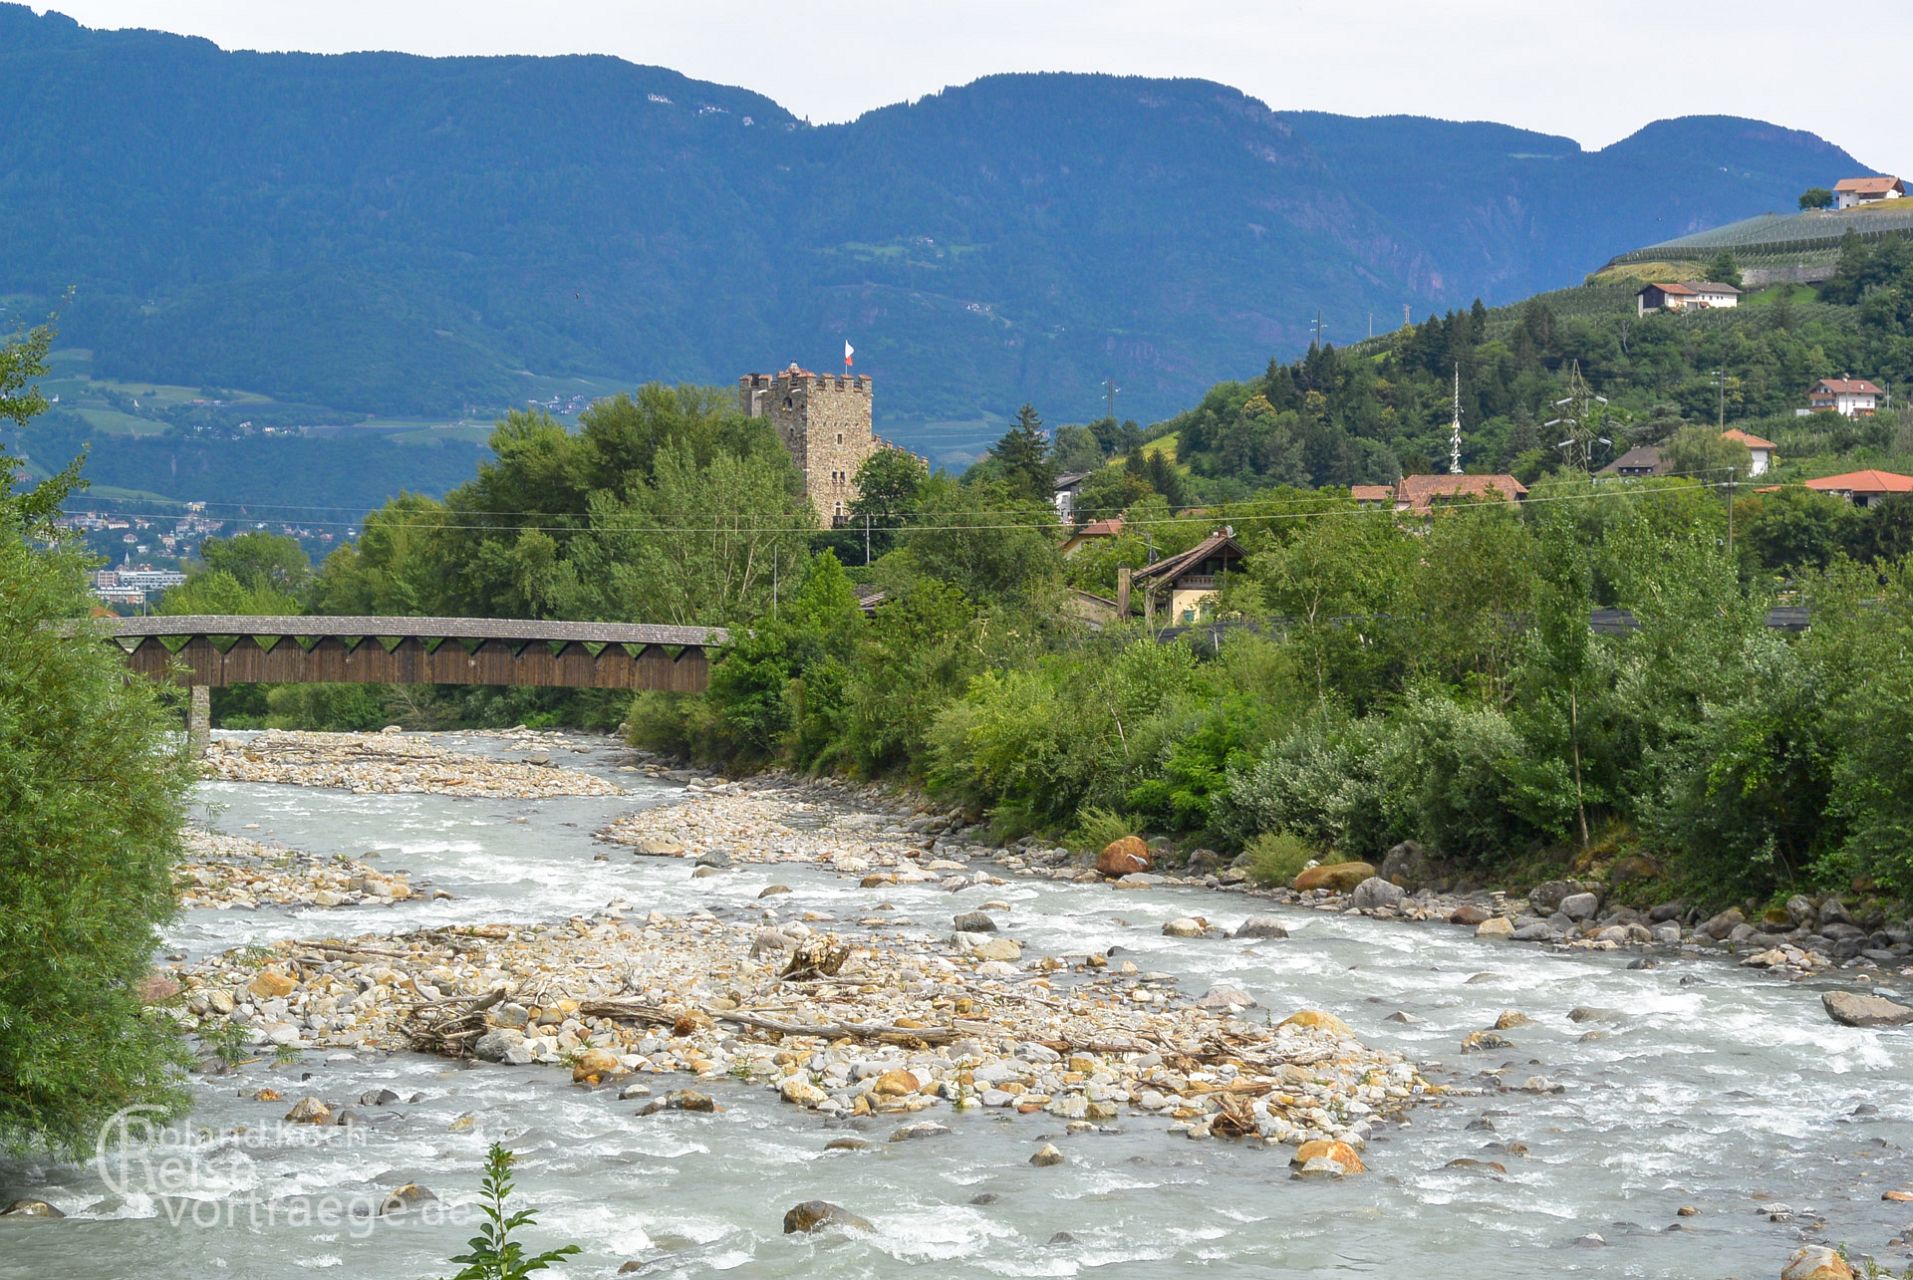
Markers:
{"x": 824, "y": 421}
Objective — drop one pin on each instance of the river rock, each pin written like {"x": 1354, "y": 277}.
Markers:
{"x": 1374, "y": 894}
{"x": 897, "y": 1084}
{"x": 1511, "y": 1019}
{"x": 816, "y": 1215}
{"x": 1337, "y": 877}
{"x": 657, "y": 848}
{"x": 1319, "y": 1020}
{"x": 1225, "y": 997}
{"x": 802, "y": 1092}
{"x": 1338, "y": 1153}
{"x": 1546, "y": 897}
{"x": 1185, "y": 927}
{"x": 773, "y": 890}
{"x": 30, "y": 1209}
{"x": 1407, "y": 865}
{"x": 1817, "y": 1262}
{"x": 502, "y": 1044}
{"x": 272, "y": 985}
{"x": 512, "y": 1015}
{"x": 1121, "y": 857}
{"x": 1589, "y": 1013}
{"x": 308, "y": 1110}
{"x": 1851, "y": 1009}
{"x": 1261, "y": 927}
{"x": 1007, "y": 950}
{"x": 1478, "y": 1041}
{"x": 1470, "y": 913}
{"x": 593, "y": 1065}
{"x": 1722, "y": 925}
{"x": 1047, "y": 1155}
{"x": 975, "y": 922}
{"x": 1580, "y": 906}
{"x": 409, "y": 1196}
{"x": 1496, "y": 927}
{"x": 922, "y": 1129}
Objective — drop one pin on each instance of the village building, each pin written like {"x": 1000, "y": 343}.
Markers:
{"x": 1849, "y": 397}
{"x": 1851, "y": 193}
{"x": 1863, "y": 488}
{"x": 1095, "y": 531}
{"x": 1761, "y": 454}
{"x": 824, "y": 421}
{"x": 1685, "y": 295}
{"x": 1183, "y": 587}
{"x": 1068, "y": 485}
{"x": 1638, "y": 463}
{"x": 1417, "y": 495}
{"x": 1372, "y": 495}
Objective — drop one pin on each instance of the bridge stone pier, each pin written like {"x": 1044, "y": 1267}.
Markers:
{"x": 208, "y": 651}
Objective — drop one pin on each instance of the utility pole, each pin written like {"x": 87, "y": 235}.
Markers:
{"x": 866, "y": 539}
{"x": 1319, "y": 330}
{"x": 1731, "y": 473}
{"x": 1720, "y": 381}
{"x": 1371, "y": 323}
{"x": 1405, "y": 320}
{"x": 1110, "y": 389}
{"x": 1454, "y": 437}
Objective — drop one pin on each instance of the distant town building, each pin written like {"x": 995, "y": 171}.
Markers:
{"x": 1417, "y": 495}
{"x": 824, "y": 420}
{"x": 1095, "y": 531}
{"x": 1760, "y": 453}
{"x": 1850, "y": 193}
{"x": 1863, "y": 488}
{"x": 1685, "y": 295}
{"x": 1637, "y": 463}
{"x": 1372, "y": 495}
{"x": 1186, "y": 583}
{"x": 1850, "y": 397}
{"x": 1068, "y": 485}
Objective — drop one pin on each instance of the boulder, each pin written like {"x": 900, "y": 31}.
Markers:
{"x": 1817, "y": 1262}
{"x": 409, "y": 1196}
{"x": 272, "y": 985}
{"x": 1851, "y": 1009}
{"x": 1374, "y": 894}
{"x": 309, "y": 1110}
{"x": 816, "y": 1215}
{"x": 1121, "y": 857}
{"x": 594, "y": 1065}
{"x": 1261, "y": 927}
{"x": 1634, "y": 869}
{"x": 30, "y": 1209}
{"x": 1320, "y": 1021}
{"x": 1337, "y": 877}
{"x": 1498, "y": 927}
{"x": 1724, "y": 924}
{"x": 1008, "y": 950}
{"x": 801, "y": 1092}
{"x": 1326, "y": 1149}
{"x": 1580, "y": 906}
{"x": 975, "y": 922}
{"x": 157, "y": 988}
{"x": 1407, "y": 866}
{"x": 897, "y": 1084}
{"x": 1047, "y": 1155}
{"x": 1184, "y": 927}
{"x": 1226, "y": 997}
{"x": 1546, "y": 897}
{"x": 502, "y": 1044}
{"x": 656, "y": 848}
{"x": 1470, "y": 913}
{"x": 1511, "y": 1019}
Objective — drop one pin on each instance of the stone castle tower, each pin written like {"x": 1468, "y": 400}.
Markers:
{"x": 824, "y": 420}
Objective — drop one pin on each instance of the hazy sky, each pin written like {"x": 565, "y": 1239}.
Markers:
{"x": 1595, "y": 71}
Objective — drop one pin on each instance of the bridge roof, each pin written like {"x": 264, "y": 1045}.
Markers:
{"x": 219, "y": 624}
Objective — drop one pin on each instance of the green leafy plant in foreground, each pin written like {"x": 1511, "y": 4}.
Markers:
{"x": 494, "y": 1254}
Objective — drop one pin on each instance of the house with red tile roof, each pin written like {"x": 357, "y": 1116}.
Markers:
{"x": 1418, "y": 494}
{"x": 1851, "y": 397}
{"x": 1851, "y": 193}
{"x": 1092, "y": 532}
{"x": 1863, "y": 488}
{"x": 1685, "y": 295}
{"x": 1761, "y": 452}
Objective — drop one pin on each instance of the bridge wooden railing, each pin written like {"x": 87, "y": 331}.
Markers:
{"x": 215, "y": 650}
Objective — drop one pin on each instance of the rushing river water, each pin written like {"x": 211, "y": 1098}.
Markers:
{"x": 1717, "y": 1088}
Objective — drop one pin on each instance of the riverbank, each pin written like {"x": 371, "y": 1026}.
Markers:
{"x": 875, "y": 1022}
{"x": 390, "y": 762}
{"x": 867, "y": 829}
{"x": 226, "y": 872}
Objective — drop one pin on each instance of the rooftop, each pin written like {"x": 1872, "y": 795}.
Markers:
{"x": 1863, "y": 482}
{"x": 1418, "y": 493}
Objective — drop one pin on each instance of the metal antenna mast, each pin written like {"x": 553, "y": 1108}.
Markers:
{"x": 1110, "y": 389}
{"x": 1454, "y": 434}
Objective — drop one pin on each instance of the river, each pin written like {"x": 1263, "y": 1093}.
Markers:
{"x": 1716, "y": 1088}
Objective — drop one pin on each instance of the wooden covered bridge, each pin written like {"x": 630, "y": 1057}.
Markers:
{"x": 207, "y": 651}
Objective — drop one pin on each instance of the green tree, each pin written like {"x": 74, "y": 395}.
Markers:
{"x": 1023, "y": 457}
{"x": 983, "y": 539}
{"x": 260, "y": 560}
{"x": 1816, "y": 198}
{"x": 91, "y": 795}
{"x": 1722, "y": 269}
{"x": 1701, "y": 453}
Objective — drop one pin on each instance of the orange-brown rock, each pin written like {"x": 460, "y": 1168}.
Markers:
{"x": 1339, "y": 877}
{"x": 594, "y": 1065}
{"x": 897, "y": 1084}
{"x": 1324, "y": 1149}
{"x": 1321, "y": 1021}
{"x": 1121, "y": 857}
{"x": 270, "y": 985}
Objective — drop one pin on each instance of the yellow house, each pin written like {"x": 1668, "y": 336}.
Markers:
{"x": 1187, "y": 584}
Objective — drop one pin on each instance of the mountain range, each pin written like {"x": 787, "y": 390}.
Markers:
{"x": 395, "y": 235}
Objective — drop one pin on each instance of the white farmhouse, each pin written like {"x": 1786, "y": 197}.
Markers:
{"x": 1851, "y": 193}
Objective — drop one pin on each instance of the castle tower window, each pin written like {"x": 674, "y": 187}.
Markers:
{"x": 840, "y": 437}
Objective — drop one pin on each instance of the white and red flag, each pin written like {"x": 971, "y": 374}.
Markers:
{"x": 849, "y": 351}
